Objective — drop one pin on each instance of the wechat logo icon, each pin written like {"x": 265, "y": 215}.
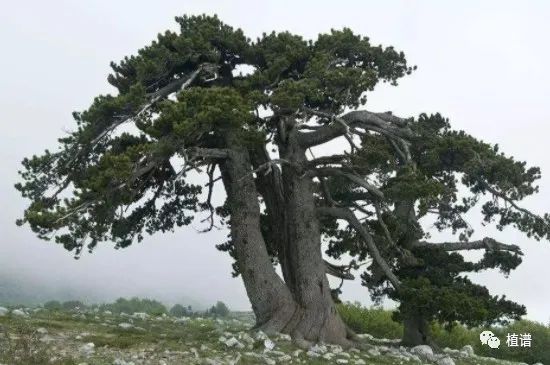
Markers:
{"x": 488, "y": 338}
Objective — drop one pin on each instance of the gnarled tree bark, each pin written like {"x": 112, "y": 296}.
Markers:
{"x": 271, "y": 300}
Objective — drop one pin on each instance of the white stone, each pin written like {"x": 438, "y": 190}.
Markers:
{"x": 246, "y": 338}
{"x": 374, "y": 352}
{"x": 285, "y": 359}
{"x": 47, "y": 339}
{"x": 269, "y": 345}
{"x": 87, "y": 349}
{"x": 313, "y": 354}
{"x": 297, "y": 353}
{"x": 233, "y": 342}
{"x": 3, "y": 311}
{"x": 422, "y": 350}
{"x": 342, "y": 361}
{"x": 445, "y": 361}
{"x": 284, "y": 337}
{"x": 469, "y": 350}
{"x": 125, "y": 326}
{"x": 360, "y": 362}
{"x": 18, "y": 313}
{"x": 320, "y": 349}
{"x": 41, "y": 331}
{"x": 260, "y": 336}
{"x": 141, "y": 315}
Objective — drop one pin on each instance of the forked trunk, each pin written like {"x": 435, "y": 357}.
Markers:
{"x": 302, "y": 306}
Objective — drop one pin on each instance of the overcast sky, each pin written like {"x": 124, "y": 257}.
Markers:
{"x": 482, "y": 64}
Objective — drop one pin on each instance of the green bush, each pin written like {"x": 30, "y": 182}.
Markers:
{"x": 219, "y": 310}
{"x": 540, "y": 345}
{"x": 133, "y": 305}
{"x": 374, "y": 321}
{"x": 53, "y": 305}
{"x": 73, "y": 304}
{"x": 179, "y": 310}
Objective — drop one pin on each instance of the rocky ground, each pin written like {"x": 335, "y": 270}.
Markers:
{"x": 95, "y": 337}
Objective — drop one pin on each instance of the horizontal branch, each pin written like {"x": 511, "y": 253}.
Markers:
{"x": 487, "y": 243}
{"x": 347, "y": 215}
{"x": 384, "y": 123}
{"x": 338, "y": 271}
{"x": 216, "y": 153}
{"x": 331, "y": 171}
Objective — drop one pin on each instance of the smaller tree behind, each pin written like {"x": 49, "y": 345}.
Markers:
{"x": 219, "y": 310}
{"x": 179, "y": 310}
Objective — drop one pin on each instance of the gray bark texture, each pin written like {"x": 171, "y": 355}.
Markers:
{"x": 271, "y": 300}
{"x": 302, "y": 304}
{"x": 416, "y": 331}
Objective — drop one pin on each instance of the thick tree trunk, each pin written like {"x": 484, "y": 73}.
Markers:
{"x": 416, "y": 331}
{"x": 319, "y": 319}
{"x": 270, "y": 186}
{"x": 271, "y": 300}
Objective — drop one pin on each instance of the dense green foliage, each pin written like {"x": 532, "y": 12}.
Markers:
{"x": 53, "y": 305}
{"x": 124, "y": 185}
{"x": 374, "y": 321}
{"x": 220, "y": 309}
{"x": 133, "y": 305}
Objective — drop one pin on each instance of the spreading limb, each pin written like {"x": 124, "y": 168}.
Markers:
{"x": 486, "y": 243}
{"x": 346, "y": 214}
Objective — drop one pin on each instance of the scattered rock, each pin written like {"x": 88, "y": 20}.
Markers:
{"x": 374, "y": 352}
{"x": 41, "y": 331}
{"x": 422, "y": 350}
{"x": 233, "y": 342}
{"x": 87, "y": 349}
{"x": 319, "y": 349}
{"x": 19, "y": 313}
{"x": 268, "y": 344}
{"x": 469, "y": 350}
{"x": 445, "y": 361}
{"x": 3, "y": 311}
{"x": 125, "y": 325}
{"x": 140, "y": 315}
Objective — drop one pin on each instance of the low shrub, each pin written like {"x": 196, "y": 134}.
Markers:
{"x": 53, "y": 305}
{"x": 374, "y": 321}
{"x": 73, "y": 304}
{"x": 179, "y": 310}
{"x": 220, "y": 309}
{"x": 133, "y": 305}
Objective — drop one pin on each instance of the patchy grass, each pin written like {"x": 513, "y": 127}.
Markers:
{"x": 163, "y": 339}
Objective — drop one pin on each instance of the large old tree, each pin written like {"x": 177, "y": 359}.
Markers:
{"x": 207, "y": 101}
